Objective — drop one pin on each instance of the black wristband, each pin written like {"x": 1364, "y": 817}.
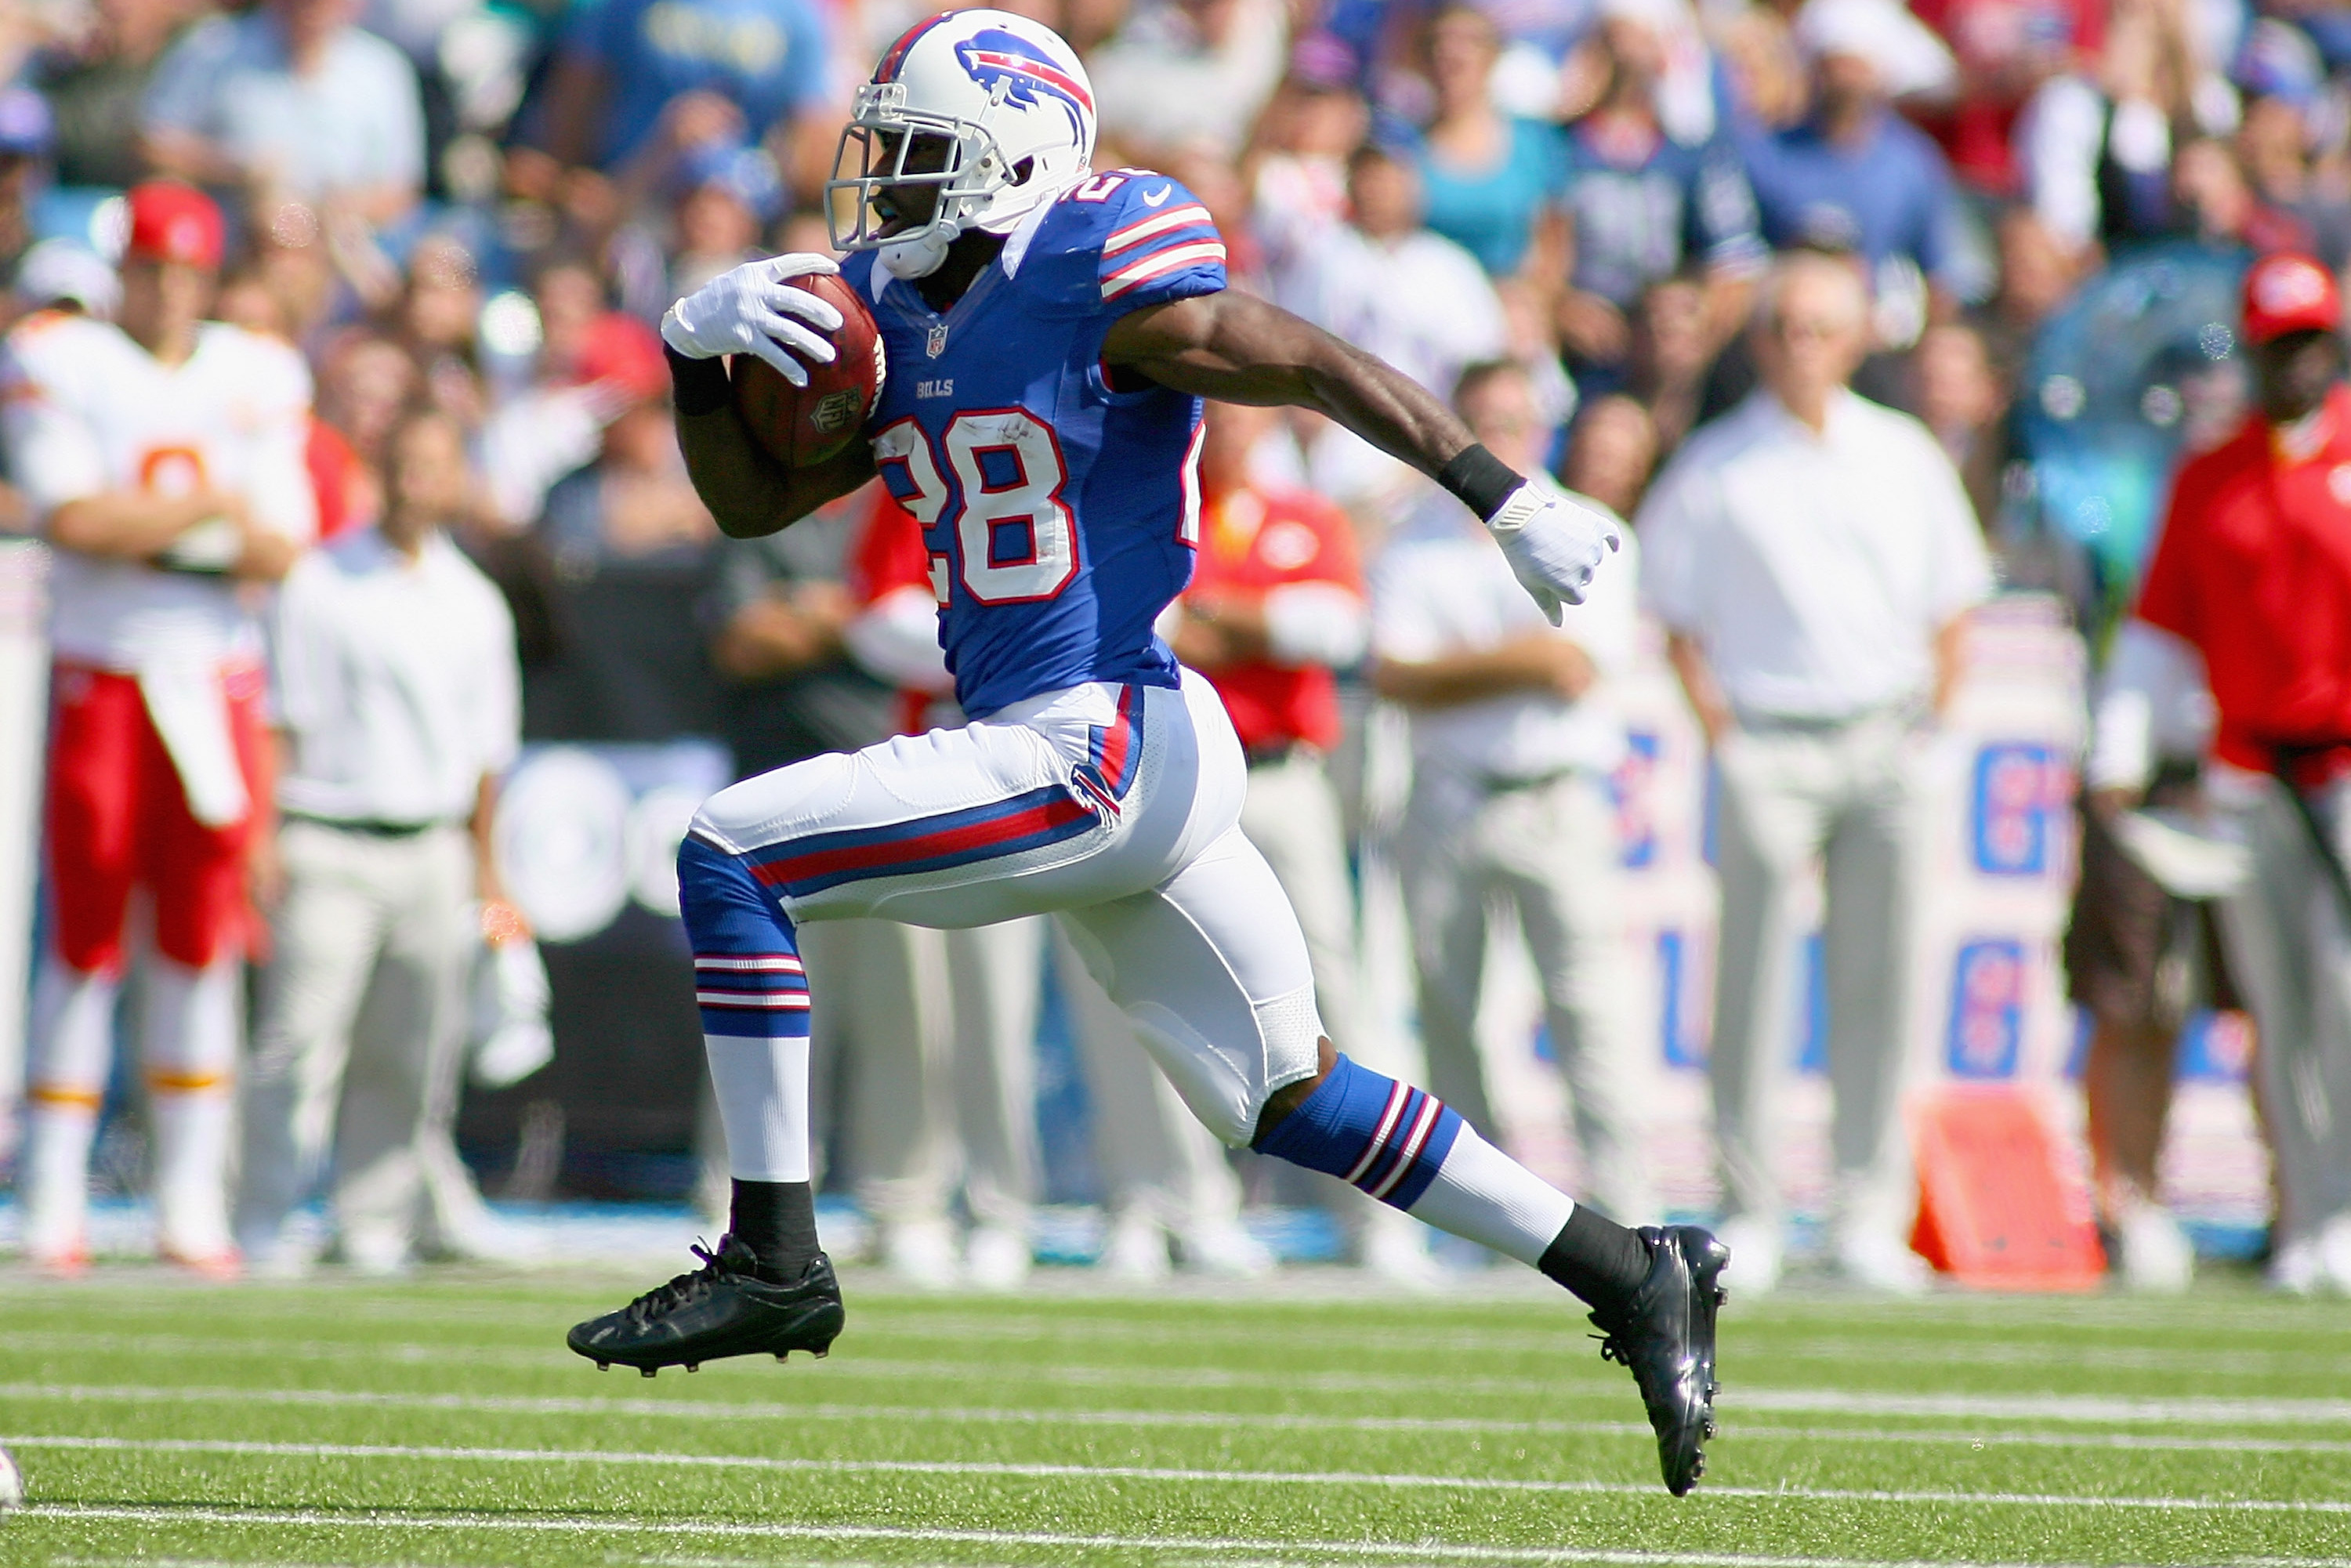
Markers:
{"x": 697, "y": 386}
{"x": 1480, "y": 480}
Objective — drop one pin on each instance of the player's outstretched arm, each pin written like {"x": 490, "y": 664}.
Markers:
{"x": 1238, "y": 348}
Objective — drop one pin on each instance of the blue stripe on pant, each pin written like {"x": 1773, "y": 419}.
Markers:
{"x": 747, "y": 976}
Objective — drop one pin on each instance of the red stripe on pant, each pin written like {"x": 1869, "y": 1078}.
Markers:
{"x": 879, "y": 858}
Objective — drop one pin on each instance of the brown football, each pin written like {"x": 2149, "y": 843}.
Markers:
{"x": 802, "y": 426}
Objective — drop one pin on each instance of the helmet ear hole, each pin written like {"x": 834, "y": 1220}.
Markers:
{"x": 1022, "y": 169}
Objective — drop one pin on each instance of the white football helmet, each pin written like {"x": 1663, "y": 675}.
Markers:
{"x": 989, "y": 111}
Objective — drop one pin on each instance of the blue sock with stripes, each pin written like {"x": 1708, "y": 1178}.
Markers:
{"x": 1387, "y": 1138}
{"x": 747, "y": 962}
{"x": 754, "y": 998}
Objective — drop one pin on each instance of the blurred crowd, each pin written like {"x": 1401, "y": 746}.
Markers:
{"x": 1563, "y": 215}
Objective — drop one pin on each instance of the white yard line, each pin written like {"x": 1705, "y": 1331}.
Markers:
{"x": 1580, "y": 1381}
{"x": 1093, "y": 1473}
{"x": 1220, "y": 1330}
{"x": 176, "y": 1346}
{"x": 1211, "y": 1420}
{"x": 2101, "y": 1409}
{"x": 778, "y": 1410}
{"x": 1583, "y": 1378}
{"x": 698, "y": 1410}
{"x": 1299, "y": 1301}
{"x": 884, "y": 1318}
{"x": 1398, "y": 1551}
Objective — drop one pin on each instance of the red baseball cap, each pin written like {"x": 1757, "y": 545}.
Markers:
{"x": 624, "y": 353}
{"x": 2289, "y": 293}
{"x": 173, "y": 222}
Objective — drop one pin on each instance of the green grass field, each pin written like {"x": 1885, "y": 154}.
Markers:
{"x": 443, "y": 1422}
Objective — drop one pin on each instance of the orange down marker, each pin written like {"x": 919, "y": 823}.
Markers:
{"x": 1997, "y": 1209}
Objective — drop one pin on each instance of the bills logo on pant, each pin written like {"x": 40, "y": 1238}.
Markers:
{"x": 993, "y": 54}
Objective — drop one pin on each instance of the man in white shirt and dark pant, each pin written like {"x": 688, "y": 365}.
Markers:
{"x": 1813, "y": 558}
{"x": 396, "y": 690}
{"x": 1513, "y": 741}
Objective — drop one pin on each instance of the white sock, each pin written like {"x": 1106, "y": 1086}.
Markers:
{"x": 192, "y": 1018}
{"x": 72, "y": 1043}
{"x": 1482, "y": 1194}
{"x": 762, "y": 1087}
{"x": 55, "y": 1179}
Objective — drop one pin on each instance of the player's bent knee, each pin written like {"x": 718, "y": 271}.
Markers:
{"x": 723, "y": 906}
{"x": 1227, "y": 1089}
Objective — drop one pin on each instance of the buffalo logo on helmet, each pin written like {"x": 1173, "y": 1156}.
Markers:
{"x": 994, "y": 55}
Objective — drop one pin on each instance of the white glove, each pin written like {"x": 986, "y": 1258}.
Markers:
{"x": 1553, "y": 544}
{"x": 751, "y": 310}
{"x": 511, "y": 996}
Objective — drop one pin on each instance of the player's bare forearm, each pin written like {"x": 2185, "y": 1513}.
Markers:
{"x": 1950, "y": 660}
{"x": 1236, "y": 348}
{"x": 749, "y": 493}
{"x": 130, "y": 525}
{"x": 1706, "y": 696}
{"x": 1540, "y": 662}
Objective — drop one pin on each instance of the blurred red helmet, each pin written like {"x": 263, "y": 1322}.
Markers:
{"x": 622, "y": 351}
{"x": 2289, "y": 293}
{"x": 173, "y": 222}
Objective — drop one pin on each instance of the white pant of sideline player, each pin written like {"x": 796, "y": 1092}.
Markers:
{"x": 934, "y": 1032}
{"x": 1549, "y": 850}
{"x": 358, "y": 1043}
{"x": 2290, "y": 949}
{"x": 1846, "y": 795}
{"x": 1163, "y": 1175}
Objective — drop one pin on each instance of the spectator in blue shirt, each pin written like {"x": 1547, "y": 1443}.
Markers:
{"x": 1855, "y": 176}
{"x": 1486, "y": 178}
{"x": 638, "y": 84}
{"x": 291, "y": 99}
{"x": 1644, "y": 207}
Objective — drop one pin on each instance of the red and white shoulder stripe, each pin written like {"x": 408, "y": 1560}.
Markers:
{"x": 1157, "y": 243}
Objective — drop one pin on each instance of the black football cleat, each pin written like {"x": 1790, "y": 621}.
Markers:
{"x": 1666, "y": 1336}
{"x": 723, "y": 1308}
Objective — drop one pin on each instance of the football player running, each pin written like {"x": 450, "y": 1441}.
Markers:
{"x": 1051, "y": 332}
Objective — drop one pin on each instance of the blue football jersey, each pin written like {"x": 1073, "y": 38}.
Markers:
{"x": 1061, "y": 516}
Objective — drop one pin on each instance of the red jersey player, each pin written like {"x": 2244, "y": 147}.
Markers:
{"x": 1276, "y": 599}
{"x": 163, "y": 458}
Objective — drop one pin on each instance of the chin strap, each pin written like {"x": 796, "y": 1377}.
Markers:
{"x": 908, "y": 260}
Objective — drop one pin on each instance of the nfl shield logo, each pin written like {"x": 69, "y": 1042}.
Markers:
{"x": 937, "y": 343}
